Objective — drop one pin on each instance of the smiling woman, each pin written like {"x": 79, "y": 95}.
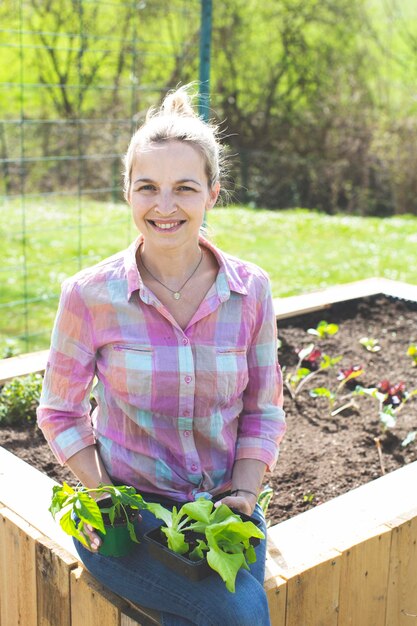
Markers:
{"x": 181, "y": 340}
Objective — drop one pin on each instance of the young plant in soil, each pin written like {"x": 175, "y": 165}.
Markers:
{"x": 391, "y": 399}
{"x": 412, "y": 352}
{"x": 323, "y": 330}
{"x": 100, "y": 507}
{"x": 311, "y": 361}
{"x": 345, "y": 376}
{"x": 200, "y": 530}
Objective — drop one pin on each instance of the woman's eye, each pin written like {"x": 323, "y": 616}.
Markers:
{"x": 147, "y": 188}
{"x": 185, "y": 188}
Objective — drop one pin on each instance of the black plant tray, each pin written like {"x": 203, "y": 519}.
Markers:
{"x": 193, "y": 570}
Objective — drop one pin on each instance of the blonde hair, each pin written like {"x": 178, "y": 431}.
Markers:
{"x": 176, "y": 120}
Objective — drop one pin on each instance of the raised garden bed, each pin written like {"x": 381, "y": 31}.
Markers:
{"x": 321, "y": 456}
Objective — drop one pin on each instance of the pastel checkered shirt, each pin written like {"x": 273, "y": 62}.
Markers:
{"x": 175, "y": 408}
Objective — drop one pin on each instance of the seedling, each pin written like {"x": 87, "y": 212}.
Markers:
{"x": 344, "y": 376}
{"x": 412, "y": 352}
{"x": 372, "y": 345}
{"x": 225, "y": 538}
{"x": 323, "y": 330}
{"x": 302, "y": 375}
{"x": 81, "y": 504}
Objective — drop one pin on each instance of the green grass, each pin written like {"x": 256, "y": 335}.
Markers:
{"x": 301, "y": 250}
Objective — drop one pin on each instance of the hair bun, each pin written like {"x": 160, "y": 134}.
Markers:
{"x": 178, "y": 102}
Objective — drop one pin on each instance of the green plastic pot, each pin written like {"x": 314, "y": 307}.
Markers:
{"x": 116, "y": 541}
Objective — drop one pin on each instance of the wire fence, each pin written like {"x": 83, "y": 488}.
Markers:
{"x": 76, "y": 77}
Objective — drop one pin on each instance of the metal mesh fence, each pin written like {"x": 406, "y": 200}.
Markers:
{"x": 76, "y": 77}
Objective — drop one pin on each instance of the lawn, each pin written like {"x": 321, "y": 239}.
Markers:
{"x": 43, "y": 242}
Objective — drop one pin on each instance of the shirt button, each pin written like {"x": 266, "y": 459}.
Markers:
{"x": 194, "y": 467}
{"x": 185, "y": 341}
{"x": 188, "y": 379}
{"x": 187, "y": 433}
{"x": 186, "y": 413}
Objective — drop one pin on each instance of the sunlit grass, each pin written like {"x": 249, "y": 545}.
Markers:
{"x": 43, "y": 242}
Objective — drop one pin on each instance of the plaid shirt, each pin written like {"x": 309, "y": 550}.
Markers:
{"x": 175, "y": 408}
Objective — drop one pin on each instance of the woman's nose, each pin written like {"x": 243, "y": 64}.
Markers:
{"x": 166, "y": 204}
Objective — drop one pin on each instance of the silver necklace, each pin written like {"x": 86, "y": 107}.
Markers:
{"x": 176, "y": 294}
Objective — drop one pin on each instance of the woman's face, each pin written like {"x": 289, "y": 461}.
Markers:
{"x": 169, "y": 193}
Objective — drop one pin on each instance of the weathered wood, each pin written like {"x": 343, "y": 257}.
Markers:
{"x": 54, "y": 567}
{"x": 30, "y": 363}
{"x": 402, "y": 579}
{"x": 276, "y": 593}
{"x": 15, "y": 475}
{"x": 17, "y": 570}
{"x": 313, "y": 594}
{"x": 363, "y": 580}
{"x": 91, "y": 603}
{"x": 324, "y": 298}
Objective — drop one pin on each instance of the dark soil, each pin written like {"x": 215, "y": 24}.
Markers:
{"x": 321, "y": 456}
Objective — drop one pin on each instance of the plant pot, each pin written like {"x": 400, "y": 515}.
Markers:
{"x": 116, "y": 541}
{"x": 180, "y": 563}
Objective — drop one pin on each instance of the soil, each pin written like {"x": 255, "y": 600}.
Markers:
{"x": 322, "y": 456}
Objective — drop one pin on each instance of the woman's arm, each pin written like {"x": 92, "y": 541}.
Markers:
{"x": 88, "y": 467}
{"x": 246, "y": 483}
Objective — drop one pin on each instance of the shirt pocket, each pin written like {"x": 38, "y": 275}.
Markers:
{"x": 132, "y": 368}
{"x": 232, "y": 373}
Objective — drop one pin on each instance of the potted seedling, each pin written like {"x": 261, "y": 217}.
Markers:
{"x": 200, "y": 537}
{"x": 110, "y": 510}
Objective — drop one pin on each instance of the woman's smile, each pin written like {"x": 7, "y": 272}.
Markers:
{"x": 172, "y": 226}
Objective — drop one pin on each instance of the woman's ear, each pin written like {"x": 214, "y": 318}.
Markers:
{"x": 213, "y": 195}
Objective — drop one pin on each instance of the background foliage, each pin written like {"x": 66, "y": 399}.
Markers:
{"x": 316, "y": 97}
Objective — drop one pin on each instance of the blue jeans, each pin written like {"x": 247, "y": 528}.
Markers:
{"x": 182, "y": 602}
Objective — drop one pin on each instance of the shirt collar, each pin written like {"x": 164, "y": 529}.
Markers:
{"x": 228, "y": 279}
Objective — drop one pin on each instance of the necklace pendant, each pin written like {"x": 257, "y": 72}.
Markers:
{"x": 176, "y": 295}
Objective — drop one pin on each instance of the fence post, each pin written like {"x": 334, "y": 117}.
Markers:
{"x": 205, "y": 42}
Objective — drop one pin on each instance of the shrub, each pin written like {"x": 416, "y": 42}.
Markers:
{"x": 19, "y": 399}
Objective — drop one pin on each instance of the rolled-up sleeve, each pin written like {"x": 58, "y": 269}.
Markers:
{"x": 262, "y": 420}
{"x": 64, "y": 410}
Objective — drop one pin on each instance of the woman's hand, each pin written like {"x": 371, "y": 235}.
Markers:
{"x": 244, "y": 503}
{"x": 92, "y": 538}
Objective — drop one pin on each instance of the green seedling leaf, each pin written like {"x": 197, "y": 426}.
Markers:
{"x": 372, "y": 345}
{"x": 322, "y": 392}
{"x": 409, "y": 439}
{"x": 88, "y": 511}
{"x": 175, "y": 539}
{"x": 412, "y": 352}
{"x": 369, "y": 391}
{"x": 387, "y": 418}
{"x": 328, "y": 361}
{"x": 301, "y": 373}
{"x": 323, "y": 329}
{"x": 411, "y": 436}
{"x": 160, "y": 512}
{"x": 226, "y": 565}
{"x": 199, "y": 551}
{"x": 199, "y": 510}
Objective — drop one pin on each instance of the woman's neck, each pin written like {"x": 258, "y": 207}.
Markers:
{"x": 171, "y": 264}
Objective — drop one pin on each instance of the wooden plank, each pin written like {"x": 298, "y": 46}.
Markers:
{"x": 313, "y": 595}
{"x": 139, "y": 615}
{"x": 276, "y": 593}
{"x": 17, "y": 570}
{"x": 15, "y": 475}
{"x": 91, "y": 603}
{"x": 322, "y": 299}
{"x": 363, "y": 580}
{"x": 53, "y": 565}
{"x": 402, "y": 579}
{"x": 32, "y": 362}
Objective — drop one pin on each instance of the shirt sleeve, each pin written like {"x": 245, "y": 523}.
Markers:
{"x": 64, "y": 410}
{"x": 262, "y": 420}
